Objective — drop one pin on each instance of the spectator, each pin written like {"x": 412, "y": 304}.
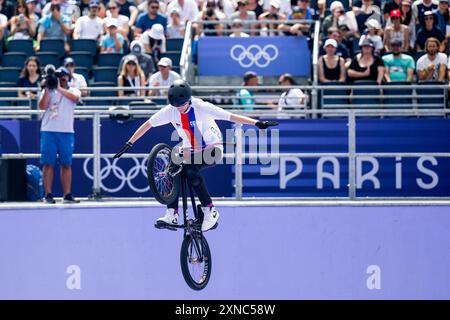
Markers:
{"x": 237, "y": 30}
{"x": 408, "y": 20}
{"x": 396, "y": 33}
{"x": 90, "y": 26}
{"x": 374, "y": 29}
{"x": 432, "y": 65}
{"x": 270, "y": 29}
{"x": 128, "y": 9}
{"x": 298, "y": 13}
{"x": 442, "y": 16}
{"x": 23, "y": 25}
{"x": 163, "y": 78}
{"x": 154, "y": 41}
{"x": 292, "y": 98}
{"x": 366, "y": 66}
{"x": 54, "y": 25}
{"x": 342, "y": 50}
{"x": 122, "y": 21}
{"x": 33, "y": 10}
{"x": 147, "y": 19}
{"x": 131, "y": 76}
{"x": 210, "y": 14}
{"x": 76, "y": 80}
{"x": 57, "y": 134}
{"x": 113, "y": 41}
{"x": 84, "y": 6}
{"x": 419, "y": 8}
{"x": 247, "y": 17}
{"x": 331, "y": 68}
{"x": 429, "y": 31}
{"x": 365, "y": 10}
{"x": 30, "y": 77}
{"x": 253, "y": 5}
{"x": 339, "y": 18}
{"x": 175, "y": 30}
{"x": 67, "y": 8}
{"x": 145, "y": 61}
{"x": 398, "y": 66}
{"x": 188, "y": 9}
{"x": 227, "y": 7}
{"x": 389, "y": 6}
{"x": 3, "y": 26}
{"x": 245, "y": 95}
{"x": 285, "y": 6}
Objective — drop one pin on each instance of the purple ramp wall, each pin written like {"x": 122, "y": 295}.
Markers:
{"x": 258, "y": 253}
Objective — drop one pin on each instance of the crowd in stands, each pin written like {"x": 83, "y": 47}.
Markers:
{"x": 376, "y": 40}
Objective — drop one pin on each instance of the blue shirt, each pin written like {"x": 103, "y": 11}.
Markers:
{"x": 108, "y": 42}
{"x": 145, "y": 23}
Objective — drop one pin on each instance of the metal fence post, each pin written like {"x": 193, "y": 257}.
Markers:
{"x": 351, "y": 154}
{"x": 96, "y": 189}
{"x": 239, "y": 161}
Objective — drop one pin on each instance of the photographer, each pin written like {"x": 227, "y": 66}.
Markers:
{"x": 211, "y": 13}
{"x": 271, "y": 29}
{"x": 23, "y": 26}
{"x": 57, "y": 133}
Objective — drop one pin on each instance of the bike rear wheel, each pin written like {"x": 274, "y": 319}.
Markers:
{"x": 196, "y": 266}
{"x": 164, "y": 187}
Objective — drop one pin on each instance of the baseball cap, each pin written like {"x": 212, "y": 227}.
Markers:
{"x": 331, "y": 42}
{"x": 335, "y": 5}
{"x": 131, "y": 58}
{"x": 395, "y": 13}
{"x": 372, "y": 24}
{"x": 407, "y": 2}
{"x": 396, "y": 41}
{"x": 94, "y": 3}
{"x": 446, "y": 1}
{"x": 428, "y": 13}
{"x": 157, "y": 31}
{"x": 175, "y": 10}
{"x": 67, "y": 61}
{"x": 30, "y": 1}
{"x": 367, "y": 43}
{"x": 111, "y": 22}
{"x": 136, "y": 46}
{"x": 275, "y": 4}
{"x": 165, "y": 62}
{"x": 249, "y": 75}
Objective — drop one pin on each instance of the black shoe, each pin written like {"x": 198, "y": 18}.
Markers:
{"x": 68, "y": 198}
{"x": 49, "y": 198}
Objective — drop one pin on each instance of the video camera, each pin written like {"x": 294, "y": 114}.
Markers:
{"x": 51, "y": 75}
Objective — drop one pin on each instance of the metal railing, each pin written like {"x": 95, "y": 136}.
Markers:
{"x": 186, "y": 65}
{"x": 239, "y": 154}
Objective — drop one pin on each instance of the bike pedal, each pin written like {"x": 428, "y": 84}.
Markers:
{"x": 163, "y": 225}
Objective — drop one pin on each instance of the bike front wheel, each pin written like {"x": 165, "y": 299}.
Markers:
{"x": 164, "y": 187}
{"x": 196, "y": 262}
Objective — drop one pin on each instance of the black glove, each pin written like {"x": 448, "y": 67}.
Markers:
{"x": 265, "y": 124}
{"x": 124, "y": 149}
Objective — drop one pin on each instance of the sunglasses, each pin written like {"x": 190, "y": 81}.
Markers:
{"x": 154, "y": 7}
{"x": 131, "y": 63}
{"x": 429, "y": 18}
{"x": 70, "y": 65}
{"x": 112, "y": 8}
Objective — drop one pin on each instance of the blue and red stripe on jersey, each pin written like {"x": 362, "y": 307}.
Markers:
{"x": 189, "y": 125}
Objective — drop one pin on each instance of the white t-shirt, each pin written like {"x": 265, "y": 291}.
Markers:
{"x": 157, "y": 77}
{"x": 241, "y": 35}
{"x": 197, "y": 127}
{"x": 78, "y": 81}
{"x": 87, "y": 28}
{"x": 424, "y": 62}
{"x": 293, "y": 98}
{"x": 3, "y": 20}
{"x": 58, "y": 117}
{"x": 188, "y": 12}
{"x": 121, "y": 19}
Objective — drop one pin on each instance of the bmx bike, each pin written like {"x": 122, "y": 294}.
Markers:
{"x": 166, "y": 180}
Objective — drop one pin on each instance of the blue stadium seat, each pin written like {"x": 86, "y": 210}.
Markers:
{"x": 174, "y": 44}
{"x": 8, "y": 94}
{"x": 13, "y": 59}
{"x": 84, "y": 45}
{"x": 22, "y": 45}
{"x": 109, "y": 59}
{"x": 406, "y": 93}
{"x": 425, "y": 101}
{"x": 83, "y": 71}
{"x": 102, "y": 74}
{"x": 102, "y": 94}
{"x": 82, "y": 59}
{"x": 174, "y": 56}
{"x": 53, "y": 45}
{"x": 9, "y": 74}
{"x": 48, "y": 58}
{"x": 359, "y": 92}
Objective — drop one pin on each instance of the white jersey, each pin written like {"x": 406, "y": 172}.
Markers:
{"x": 197, "y": 127}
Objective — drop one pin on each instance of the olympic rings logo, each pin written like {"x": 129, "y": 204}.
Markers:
{"x": 119, "y": 174}
{"x": 254, "y": 55}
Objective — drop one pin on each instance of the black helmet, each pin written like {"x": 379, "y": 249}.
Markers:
{"x": 179, "y": 93}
